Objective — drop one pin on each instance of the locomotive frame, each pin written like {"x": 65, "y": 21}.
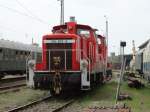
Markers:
{"x": 73, "y": 57}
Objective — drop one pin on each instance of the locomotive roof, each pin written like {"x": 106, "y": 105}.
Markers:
{"x": 18, "y": 46}
{"x": 101, "y": 36}
{"x": 78, "y": 25}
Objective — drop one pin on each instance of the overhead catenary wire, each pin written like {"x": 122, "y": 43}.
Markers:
{"x": 33, "y": 15}
{"x": 12, "y": 30}
{"x": 7, "y": 28}
{"x": 22, "y": 13}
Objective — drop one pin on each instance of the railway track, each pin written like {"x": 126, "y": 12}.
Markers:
{"x": 28, "y": 105}
{"x": 63, "y": 106}
{"x": 12, "y": 86}
{"x": 12, "y": 79}
{"x": 37, "y": 105}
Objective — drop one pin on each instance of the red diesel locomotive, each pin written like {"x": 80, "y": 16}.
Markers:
{"x": 73, "y": 57}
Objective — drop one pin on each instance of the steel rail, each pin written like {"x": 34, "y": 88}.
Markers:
{"x": 10, "y": 90}
{"x": 29, "y": 104}
{"x": 12, "y": 86}
{"x": 63, "y": 106}
{"x": 12, "y": 79}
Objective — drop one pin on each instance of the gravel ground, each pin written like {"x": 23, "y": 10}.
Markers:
{"x": 14, "y": 99}
{"x": 47, "y": 106}
{"x": 75, "y": 107}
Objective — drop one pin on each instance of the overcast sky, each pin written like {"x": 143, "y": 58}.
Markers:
{"x": 22, "y": 20}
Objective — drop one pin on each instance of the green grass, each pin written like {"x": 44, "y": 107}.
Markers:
{"x": 14, "y": 99}
{"x": 140, "y": 98}
{"x": 105, "y": 96}
{"x": 101, "y": 96}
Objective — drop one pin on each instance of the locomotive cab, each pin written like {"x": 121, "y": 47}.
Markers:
{"x": 70, "y": 59}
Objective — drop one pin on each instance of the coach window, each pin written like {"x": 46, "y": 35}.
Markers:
{"x": 1, "y": 53}
{"x": 28, "y": 54}
{"x": 21, "y": 54}
{"x": 10, "y": 54}
{"x": 6, "y": 54}
{"x": 25, "y": 54}
{"x": 17, "y": 54}
{"x": 14, "y": 54}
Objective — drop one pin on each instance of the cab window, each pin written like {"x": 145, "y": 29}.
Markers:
{"x": 98, "y": 41}
{"x": 83, "y": 32}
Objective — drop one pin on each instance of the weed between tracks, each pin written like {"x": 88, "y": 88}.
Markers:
{"x": 15, "y": 99}
{"x": 100, "y": 96}
{"x": 105, "y": 96}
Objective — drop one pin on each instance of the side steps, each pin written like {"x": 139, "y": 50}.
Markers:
{"x": 85, "y": 84}
{"x": 85, "y": 88}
